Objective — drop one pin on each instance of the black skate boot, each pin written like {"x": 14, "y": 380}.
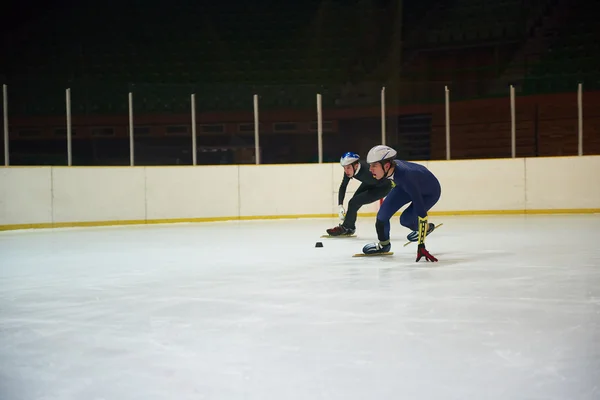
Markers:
{"x": 414, "y": 235}
{"x": 340, "y": 230}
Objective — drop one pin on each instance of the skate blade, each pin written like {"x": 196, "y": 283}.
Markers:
{"x": 389, "y": 253}
{"x": 409, "y": 242}
{"x": 339, "y": 236}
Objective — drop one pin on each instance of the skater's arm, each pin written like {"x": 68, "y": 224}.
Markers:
{"x": 342, "y": 191}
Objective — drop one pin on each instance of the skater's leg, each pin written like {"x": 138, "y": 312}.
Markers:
{"x": 366, "y": 196}
{"x": 392, "y": 203}
{"x": 409, "y": 217}
{"x": 354, "y": 204}
{"x": 347, "y": 227}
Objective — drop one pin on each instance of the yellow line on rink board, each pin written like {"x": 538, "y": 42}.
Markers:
{"x": 81, "y": 224}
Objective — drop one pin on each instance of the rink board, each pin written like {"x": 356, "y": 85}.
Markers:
{"x": 46, "y": 197}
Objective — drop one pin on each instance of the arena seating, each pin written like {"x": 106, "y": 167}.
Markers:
{"x": 572, "y": 56}
{"x": 477, "y": 21}
{"x": 284, "y": 52}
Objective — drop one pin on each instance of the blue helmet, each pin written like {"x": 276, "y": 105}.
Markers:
{"x": 349, "y": 158}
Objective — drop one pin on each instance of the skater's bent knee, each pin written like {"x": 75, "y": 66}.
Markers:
{"x": 383, "y": 215}
{"x": 354, "y": 203}
{"x": 408, "y": 221}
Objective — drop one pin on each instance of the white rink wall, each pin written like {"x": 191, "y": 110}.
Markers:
{"x": 33, "y": 197}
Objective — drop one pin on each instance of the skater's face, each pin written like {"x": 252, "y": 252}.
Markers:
{"x": 378, "y": 170}
{"x": 349, "y": 170}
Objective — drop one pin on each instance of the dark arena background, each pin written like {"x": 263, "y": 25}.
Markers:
{"x": 397, "y": 67}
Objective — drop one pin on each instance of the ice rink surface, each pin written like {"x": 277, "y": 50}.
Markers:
{"x": 252, "y": 310}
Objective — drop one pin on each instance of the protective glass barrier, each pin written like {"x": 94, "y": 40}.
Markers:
{"x": 94, "y": 122}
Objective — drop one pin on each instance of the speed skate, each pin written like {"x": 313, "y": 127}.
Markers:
{"x": 388, "y": 253}
{"x": 410, "y": 241}
{"x": 338, "y": 236}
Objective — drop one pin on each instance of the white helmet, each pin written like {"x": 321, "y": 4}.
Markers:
{"x": 380, "y": 153}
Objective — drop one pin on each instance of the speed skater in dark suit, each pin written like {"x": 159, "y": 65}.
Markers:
{"x": 369, "y": 191}
{"x": 411, "y": 183}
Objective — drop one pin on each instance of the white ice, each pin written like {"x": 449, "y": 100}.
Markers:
{"x": 253, "y": 310}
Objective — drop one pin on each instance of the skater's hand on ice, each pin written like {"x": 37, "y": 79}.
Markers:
{"x": 342, "y": 213}
{"x": 422, "y": 252}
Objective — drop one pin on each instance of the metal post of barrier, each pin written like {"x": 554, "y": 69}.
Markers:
{"x": 256, "y": 133}
{"x": 131, "y": 153}
{"x": 383, "y": 133}
{"x": 69, "y": 127}
{"x": 320, "y": 127}
{"x": 5, "y": 124}
{"x": 447, "y": 103}
{"x": 580, "y": 118}
{"x": 513, "y": 133}
{"x": 194, "y": 149}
